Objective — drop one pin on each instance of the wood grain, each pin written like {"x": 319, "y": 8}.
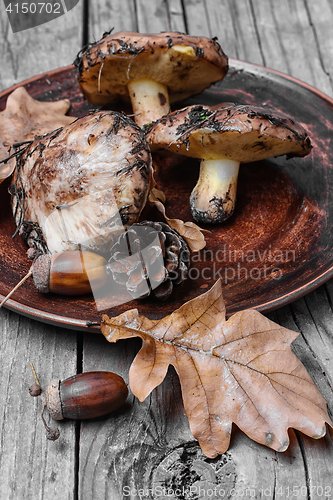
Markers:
{"x": 292, "y": 47}
{"x": 197, "y": 20}
{"x": 104, "y": 16}
{"x": 30, "y": 465}
{"x": 176, "y": 19}
{"x": 37, "y": 50}
{"x": 249, "y": 31}
{"x": 235, "y": 26}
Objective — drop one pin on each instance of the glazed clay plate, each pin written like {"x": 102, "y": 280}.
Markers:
{"x": 276, "y": 247}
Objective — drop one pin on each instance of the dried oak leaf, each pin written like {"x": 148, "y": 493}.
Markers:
{"x": 192, "y": 234}
{"x": 239, "y": 370}
{"x": 24, "y": 118}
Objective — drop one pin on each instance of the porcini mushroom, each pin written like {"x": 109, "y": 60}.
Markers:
{"x": 150, "y": 69}
{"x": 222, "y": 137}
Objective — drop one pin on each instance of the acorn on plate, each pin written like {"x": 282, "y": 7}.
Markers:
{"x": 83, "y": 396}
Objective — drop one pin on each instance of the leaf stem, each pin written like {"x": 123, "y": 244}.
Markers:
{"x": 34, "y": 374}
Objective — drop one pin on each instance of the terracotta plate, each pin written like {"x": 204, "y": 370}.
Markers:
{"x": 276, "y": 247}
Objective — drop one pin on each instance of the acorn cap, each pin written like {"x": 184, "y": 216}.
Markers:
{"x": 186, "y": 65}
{"x": 41, "y": 273}
{"x": 52, "y": 400}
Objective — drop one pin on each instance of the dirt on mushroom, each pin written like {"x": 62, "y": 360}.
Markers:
{"x": 222, "y": 137}
{"x": 73, "y": 192}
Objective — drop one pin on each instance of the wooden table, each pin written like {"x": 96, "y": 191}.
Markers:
{"x": 149, "y": 444}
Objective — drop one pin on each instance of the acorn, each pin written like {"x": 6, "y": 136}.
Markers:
{"x": 87, "y": 395}
{"x": 74, "y": 272}
{"x": 83, "y": 396}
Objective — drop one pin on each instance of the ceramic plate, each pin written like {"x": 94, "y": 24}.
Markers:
{"x": 276, "y": 247}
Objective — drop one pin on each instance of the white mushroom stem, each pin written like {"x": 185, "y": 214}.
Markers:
{"x": 150, "y": 100}
{"x": 213, "y": 199}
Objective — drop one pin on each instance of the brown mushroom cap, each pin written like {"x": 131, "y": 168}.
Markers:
{"x": 186, "y": 65}
{"x": 237, "y": 132}
{"x": 224, "y": 136}
{"x": 79, "y": 183}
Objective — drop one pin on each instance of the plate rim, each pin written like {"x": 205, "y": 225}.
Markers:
{"x": 285, "y": 76}
{"x": 268, "y": 306}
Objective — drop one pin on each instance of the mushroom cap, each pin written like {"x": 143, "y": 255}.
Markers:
{"x": 237, "y": 132}
{"x": 185, "y": 64}
{"x": 82, "y": 182}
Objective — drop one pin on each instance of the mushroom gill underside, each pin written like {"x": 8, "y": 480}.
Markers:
{"x": 150, "y": 70}
{"x": 223, "y": 137}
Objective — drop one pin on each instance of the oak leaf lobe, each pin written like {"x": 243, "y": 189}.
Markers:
{"x": 24, "y": 118}
{"x": 241, "y": 370}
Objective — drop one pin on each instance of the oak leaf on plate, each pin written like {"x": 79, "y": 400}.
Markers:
{"x": 239, "y": 370}
{"x": 24, "y": 118}
{"x": 192, "y": 234}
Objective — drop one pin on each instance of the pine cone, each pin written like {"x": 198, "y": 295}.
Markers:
{"x": 149, "y": 257}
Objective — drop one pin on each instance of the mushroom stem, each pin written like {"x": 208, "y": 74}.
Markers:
{"x": 150, "y": 100}
{"x": 213, "y": 198}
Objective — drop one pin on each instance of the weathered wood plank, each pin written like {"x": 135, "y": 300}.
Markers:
{"x": 103, "y": 16}
{"x": 289, "y": 42}
{"x": 321, "y": 341}
{"x": 318, "y": 462}
{"x": 118, "y": 452}
{"x": 320, "y": 15}
{"x": 235, "y": 26}
{"x": 176, "y": 16}
{"x": 43, "y": 48}
{"x": 258, "y": 32}
{"x": 312, "y": 317}
{"x": 138, "y": 15}
{"x": 149, "y": 445}
{"x": 263, "y": 473}
{"x": 196, "y": 18}
{"x": 152, "y": 16}
{"x": 314, "y": 344}
{"x": 32, "y": 467}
